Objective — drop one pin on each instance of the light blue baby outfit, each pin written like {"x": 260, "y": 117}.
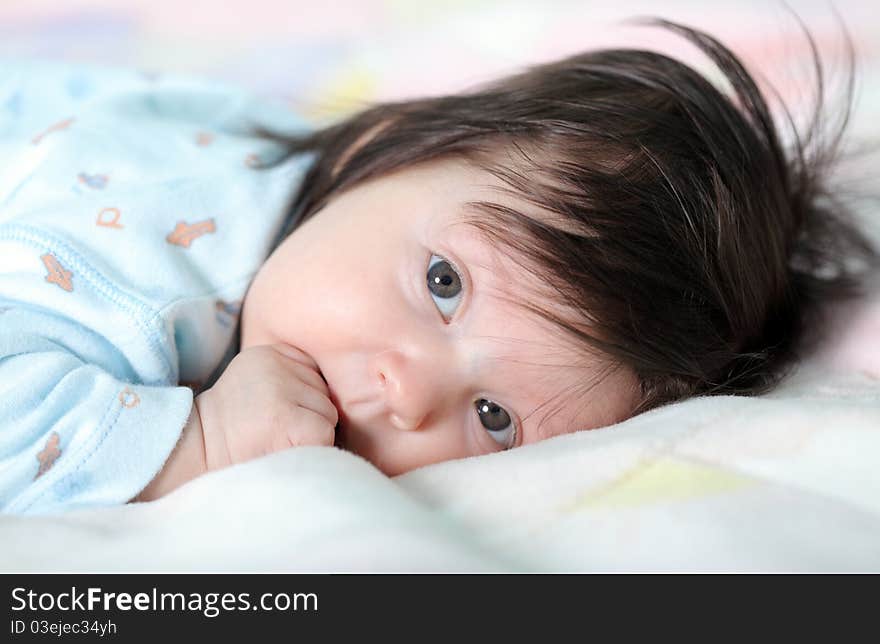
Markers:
{"x": 132, "y": 220}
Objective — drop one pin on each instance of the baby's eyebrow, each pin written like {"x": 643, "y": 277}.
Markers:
{"x": 531, "y": 401}
{"x": 561, "y": 403}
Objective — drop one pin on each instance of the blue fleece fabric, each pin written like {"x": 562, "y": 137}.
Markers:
{"x": 132, "y": 220}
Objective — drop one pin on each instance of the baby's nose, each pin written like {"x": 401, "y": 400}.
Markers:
{"x": 411, "y": 388}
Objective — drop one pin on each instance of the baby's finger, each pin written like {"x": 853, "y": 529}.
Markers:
{"x": 296, "y": 354}
{"x": 313, "y": 400}
{"x": 308, "y": 376}
{"x": 309, "y": 428}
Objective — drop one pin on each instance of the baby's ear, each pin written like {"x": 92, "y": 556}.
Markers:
{"x": 360, "y": 142}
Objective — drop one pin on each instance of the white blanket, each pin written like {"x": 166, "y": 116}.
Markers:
{"x": 786, "y": 481}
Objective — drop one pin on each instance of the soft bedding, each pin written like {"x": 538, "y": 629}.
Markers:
{"x": 785, "y": 481}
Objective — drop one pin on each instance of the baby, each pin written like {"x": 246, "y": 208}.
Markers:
{"x": 455, "y": 276}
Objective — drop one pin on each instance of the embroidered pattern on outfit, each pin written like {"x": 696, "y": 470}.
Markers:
{"x": 184, "y": 234}
{"x": 128, "y": 398}
{"x": 109, "y": 217}
{"x": 49, "y": 454}
{"x": 97, "y": 181}
{"x": 57, "y": 274}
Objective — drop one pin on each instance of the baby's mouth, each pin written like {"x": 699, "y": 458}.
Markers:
{"x": 337, "y": 441}
{"x": 339, "y": 438}
{"x": 339, "y": 430}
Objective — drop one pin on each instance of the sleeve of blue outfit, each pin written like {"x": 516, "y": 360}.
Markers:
{"x": 74, "y": 431}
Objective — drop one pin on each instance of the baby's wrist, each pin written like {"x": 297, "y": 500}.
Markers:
{"x": 186, "y": 462}
{"x": 215, "y": 452}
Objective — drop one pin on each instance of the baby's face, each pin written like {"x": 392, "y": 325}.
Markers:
{"x": 406, "y": 311}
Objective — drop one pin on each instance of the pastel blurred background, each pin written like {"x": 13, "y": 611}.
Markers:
{"x": 325, "y": 59}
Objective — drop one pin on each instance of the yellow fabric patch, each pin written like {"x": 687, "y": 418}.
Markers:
{"x": 664, "y": 481}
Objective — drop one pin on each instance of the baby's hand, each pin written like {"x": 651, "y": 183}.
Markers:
{"x": 269, "y": 398}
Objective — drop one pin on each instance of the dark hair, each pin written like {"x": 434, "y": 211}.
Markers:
{"x": 695, "y": 249}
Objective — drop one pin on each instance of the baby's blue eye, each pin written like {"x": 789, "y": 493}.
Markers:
{"x": 444, "y": 284}
{"x": 497, "y": 422}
